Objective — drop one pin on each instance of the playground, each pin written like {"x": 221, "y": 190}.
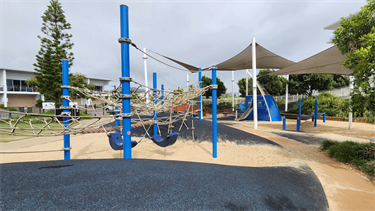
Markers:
{"x": 146, "y": 156}
{"x": 264, "y": 152}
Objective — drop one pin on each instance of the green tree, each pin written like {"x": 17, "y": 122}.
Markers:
{"x": 242, "y": 86}
{"x": 275, "y": 85}
{"x": 54, "y": 48}
{"x": 355, "y": 38}
{"x": 221, "y": 89}
{"x": 306, "y": 84}
{"x": 78, "y": 80}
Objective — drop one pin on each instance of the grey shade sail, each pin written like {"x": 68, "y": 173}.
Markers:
{"x": 325, "y": 62}
{"x": 243, "y": 60}
{"x": 189, "y": 67}
{"x": 265, "y": 59}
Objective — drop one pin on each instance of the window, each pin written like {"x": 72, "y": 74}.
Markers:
{"x": 98, "y": 88}
{"x": 18, "y": 85}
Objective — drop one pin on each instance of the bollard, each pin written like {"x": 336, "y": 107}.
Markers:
{"x": 284, "y": 123}
{"x": 324, "y": 117}
{"x": 298, "y": 123}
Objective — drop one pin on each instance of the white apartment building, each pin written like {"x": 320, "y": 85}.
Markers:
{"x": 14, "y": 92}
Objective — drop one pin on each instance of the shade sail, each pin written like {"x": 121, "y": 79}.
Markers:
{"x": 243, "y": 60}
{"x": 265, "y": 59}
{"x": 326, "y": 62}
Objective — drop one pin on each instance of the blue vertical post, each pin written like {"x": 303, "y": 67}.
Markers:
{"x": 324, "y": 117}
{"x": 116, "y": 121}
{"x": 214, "y": 114}
{"x": 65, "y": 92}
{"x": 284, "y": 123}
{"x": 299, "y": 116}
{"x": 125, "y": 73}
{"x": 155, "y": 86}
{"x": 316, "y": 113}
{"x": 162, "y": 93}
{"x": 200, "y": 96}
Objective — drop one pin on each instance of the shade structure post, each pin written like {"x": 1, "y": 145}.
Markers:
{"x": 155, "y": 86}
{"x": 286, "y": 93}
{"x": 247, "y": 82}
{"x": 145, "y": 67}
{"x": 200, "y": 95}
{"x": 66, "y": 110}
{"x": 232, "y": 90}
{"x": 125, "y": 74}
{"x": 255, "y": 98}
{"x": 187, "y": 82}
{"x": 214, "y": 113}
{"x": 316, "y": 113}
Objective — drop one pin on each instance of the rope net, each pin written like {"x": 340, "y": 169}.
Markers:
{"x": 146, "y": 102}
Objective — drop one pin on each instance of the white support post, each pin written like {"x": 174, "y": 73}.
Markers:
{"x": 286, "y": 93}
{"x": 187, "y": 81}
{"x": 232, "y": 90}
{"x": 247, "y": 82}
{"x": 255, "y": 97}
{"x": 5, "y": 89}
{"x": 145, "y": 67}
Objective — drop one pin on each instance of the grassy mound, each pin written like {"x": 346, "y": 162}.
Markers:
{"x": 360, "y": 155}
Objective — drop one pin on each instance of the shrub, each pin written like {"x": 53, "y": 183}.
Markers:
{"x": 360, "y": 155}
{"x": 1, "y": 105}
{"x": 10, "y": 109}
{"x": 332, "y": 105}
{"x": 280, "y": 102}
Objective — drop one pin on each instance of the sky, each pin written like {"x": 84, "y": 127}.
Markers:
{"x": 200, "y": 33}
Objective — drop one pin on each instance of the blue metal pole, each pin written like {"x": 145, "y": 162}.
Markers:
{"x": 324, "y": 117}
{"x": 200, "y": 96}
{"x": 65, "y": 92}
{"x": 116, "y": 121}
{"x": 299, "y": 116}
{"x": 125, "y": 73}
{"x": 162, "y": 93}
{"x": 214, "y": 114}
{"x": 284, "y": 123}
{"x": 316, "y": 113}
{"x": 155, "y": 86}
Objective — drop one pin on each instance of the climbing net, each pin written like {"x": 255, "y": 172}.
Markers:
{"x": 146, "y": 102}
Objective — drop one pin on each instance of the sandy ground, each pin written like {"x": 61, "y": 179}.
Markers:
{"x": 96, "y": 146}
{"x": 345, "y": 189}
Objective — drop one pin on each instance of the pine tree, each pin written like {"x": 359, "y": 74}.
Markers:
{"x": 55, "y": 47}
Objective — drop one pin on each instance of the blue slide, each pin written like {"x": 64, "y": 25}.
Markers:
{"x": 262, "y": 108}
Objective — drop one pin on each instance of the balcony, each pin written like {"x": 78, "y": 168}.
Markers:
{"x": 19, "y": 89}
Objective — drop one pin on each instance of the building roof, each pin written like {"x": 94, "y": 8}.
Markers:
{"x": 335, "y": 25}
{"x": 32, "y": 71}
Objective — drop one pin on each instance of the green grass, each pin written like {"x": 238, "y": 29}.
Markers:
{"x": 28, "y": 133}
{"x": 360, "y": 155}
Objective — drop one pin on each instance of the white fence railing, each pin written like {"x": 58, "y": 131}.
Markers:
{"x": 343, "y": 92}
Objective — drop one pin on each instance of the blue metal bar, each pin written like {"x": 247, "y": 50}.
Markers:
{"x": 155, "y": 86}
{"x": 284, "y": 123}
{"x": 200, "y": 96}
{"x": 316, "y": 113}
{"x": 214, "y": 114}
{"x": 324, "y": 117}
{"x": 299, "y": 116}
{"x": 116, "y": 121}
{"x": 65, "y": 92}
{"x": 162, "y": 93}
{"x": 125, "y": 66}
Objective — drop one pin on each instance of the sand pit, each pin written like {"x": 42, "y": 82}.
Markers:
{"x": 96, "y": 146}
